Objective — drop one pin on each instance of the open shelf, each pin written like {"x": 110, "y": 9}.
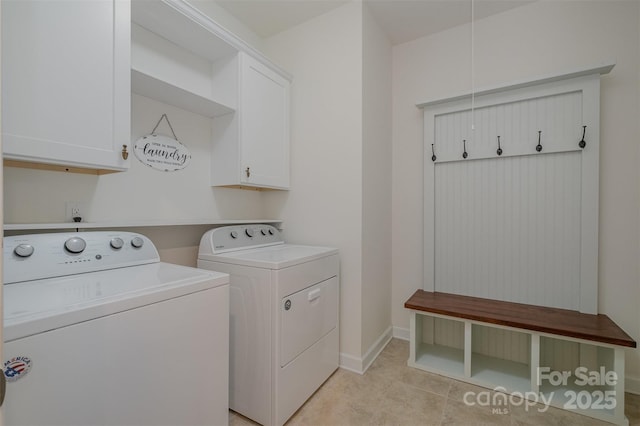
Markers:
{"x": 441, "y": 359}
{"x": 511, "y": 375}
{"x": 187, "y": 27}
{"x": 170, "y": 93}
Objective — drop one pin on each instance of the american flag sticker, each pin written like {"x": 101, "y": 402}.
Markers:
{"x": 17, "y": 367}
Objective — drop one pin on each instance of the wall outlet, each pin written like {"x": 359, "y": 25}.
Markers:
{"x": 73, "y": 211}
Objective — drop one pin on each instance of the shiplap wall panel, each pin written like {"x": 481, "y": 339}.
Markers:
{"x": 449, "y": 333}
{"x": 559, "y": 355}
{"x": 500, "y": 343}
{"x": 522, "y": 226}
{"x": 509, "y": 229}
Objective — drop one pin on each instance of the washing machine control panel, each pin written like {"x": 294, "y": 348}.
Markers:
{"x": 240, "y": 237}
{"x": 39, "y": 256}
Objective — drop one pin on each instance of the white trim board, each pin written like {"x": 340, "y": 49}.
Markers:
{"x": 600, "y": 69}
{"x": 360, "y": 365}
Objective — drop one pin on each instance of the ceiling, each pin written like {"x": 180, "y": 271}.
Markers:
{"x": 402, "y": 20}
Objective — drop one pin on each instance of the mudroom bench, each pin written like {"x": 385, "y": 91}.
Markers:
{"x": 572, "y": 359}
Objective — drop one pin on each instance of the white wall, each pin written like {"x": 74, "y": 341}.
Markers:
{"x": 324, "y": 205}
{"x": 537, "y": 39}
{"x": 376, "y": 182}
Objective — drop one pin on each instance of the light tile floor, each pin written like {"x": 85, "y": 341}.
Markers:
{"x": 390, "y": 393}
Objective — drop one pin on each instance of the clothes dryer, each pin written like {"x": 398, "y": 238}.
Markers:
{"x": 284, "y": 330}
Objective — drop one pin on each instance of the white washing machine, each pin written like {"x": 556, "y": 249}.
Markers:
{"x": 98, "y": 331}
{"x": 284, "y": 318}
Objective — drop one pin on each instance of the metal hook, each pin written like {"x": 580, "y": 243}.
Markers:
{"x": 499, "y": 151}
{"x": 582, "y": 142}
{"x": 539, "y": 147}
{"x": 464, "y": 144}
{"x": 433, "y": 154}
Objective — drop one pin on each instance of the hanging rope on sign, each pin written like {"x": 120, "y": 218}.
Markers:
{"x": 164, "y": 116}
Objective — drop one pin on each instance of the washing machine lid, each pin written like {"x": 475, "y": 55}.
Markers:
{"x": 272, "y": 257}
{"x": 33, "y": 307}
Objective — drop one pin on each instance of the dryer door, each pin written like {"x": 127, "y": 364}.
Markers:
{"x": 306, "y": 316}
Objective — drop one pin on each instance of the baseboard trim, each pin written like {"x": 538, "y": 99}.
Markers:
{"x": 377, "y": 348}
{"x": 360, "y": 365}
{"x": 401, "y": 333}
{"x": 350, "y": 363}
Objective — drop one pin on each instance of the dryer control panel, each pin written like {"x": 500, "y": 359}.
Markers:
{"x": 38, "y": 256}
{"x": 239, "y": 237}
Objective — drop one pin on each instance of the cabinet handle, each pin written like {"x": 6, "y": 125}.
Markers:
{"x": 248, "y": 172}
{"x": 125, "y": 154}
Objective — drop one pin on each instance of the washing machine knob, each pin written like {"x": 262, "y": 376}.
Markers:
{"x": 270, "y": 231}
{"x": 234, "y": 234}
{"x": 116, "y": 243}
{"x": 23, "y": 250}
{"x": 137, "y": 242}
{"x": 263, "y": 232}
{"x": 249, "y": 232}
{"x": 75, "y": 245}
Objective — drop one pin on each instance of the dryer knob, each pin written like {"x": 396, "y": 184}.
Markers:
{"x": 23, "y": 250}
{"x": 270, "y": 231}
{"x": 263, "y": 232}
{"x": 75, "y": 245}
{"x": 249, "y": 232}
{"x": 116, "y": 243}
{"x": 234, "y": 234}
{"x": 137, "y": 242}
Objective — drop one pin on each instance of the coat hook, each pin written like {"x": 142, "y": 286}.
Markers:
{"x": 582, "y": 142}
{"x": 539, "y": 147}
{"x": 464, "y": 145}
{"x": 433, "y": 154}
{"x": 499, "y": 151}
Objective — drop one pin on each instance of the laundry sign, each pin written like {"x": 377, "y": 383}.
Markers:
{"x": 162, "y": 152}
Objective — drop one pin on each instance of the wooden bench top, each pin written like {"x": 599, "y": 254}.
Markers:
{"x": 563, "y": 322}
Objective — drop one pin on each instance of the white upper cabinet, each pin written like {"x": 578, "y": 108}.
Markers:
{"x": 251, "y": 148}
{"x": 264, "y": 125}
{"x": 182, "y": 57}
{"x": 66, "y": 83}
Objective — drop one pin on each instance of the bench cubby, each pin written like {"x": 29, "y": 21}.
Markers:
{"x": 573, "y": 360}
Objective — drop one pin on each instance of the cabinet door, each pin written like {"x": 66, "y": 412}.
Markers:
{"x": 66, "y": 82}
{"x": 264, "y": 125}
